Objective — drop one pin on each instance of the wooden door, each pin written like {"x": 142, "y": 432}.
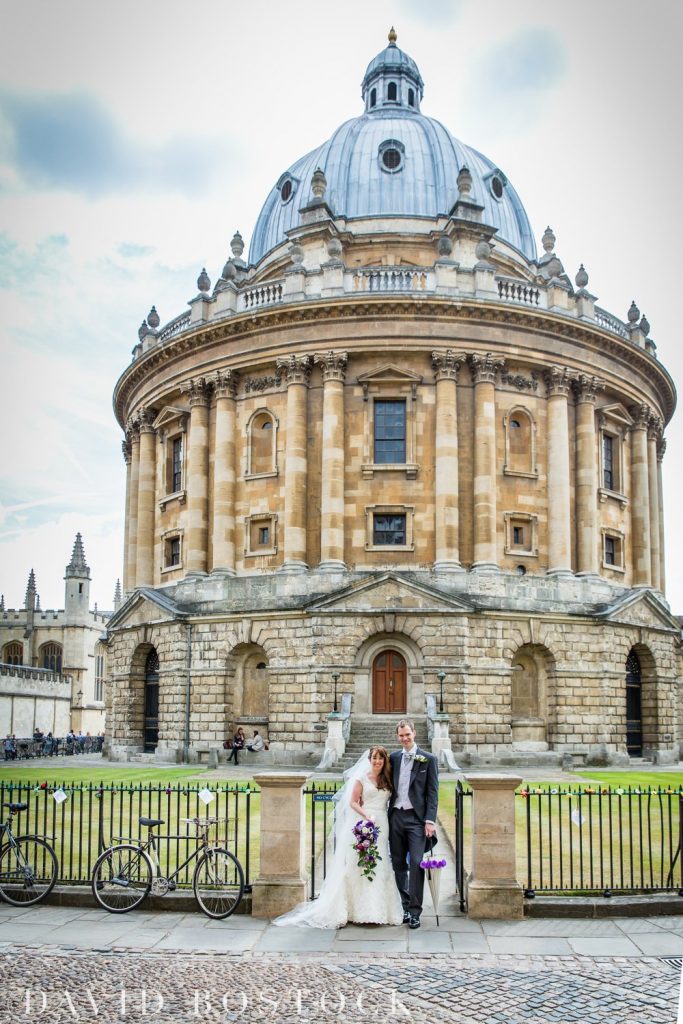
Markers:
{"x": 389, "y": 679}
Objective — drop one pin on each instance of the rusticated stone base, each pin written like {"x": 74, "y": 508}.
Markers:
{"x": 269, "y": 899}
{"x": 498, "y": 900}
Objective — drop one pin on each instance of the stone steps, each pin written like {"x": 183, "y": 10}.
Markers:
{"x": 368, "y": 732}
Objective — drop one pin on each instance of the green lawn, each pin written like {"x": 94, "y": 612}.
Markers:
{"x": 25, "y": 772}
{"x": 640, "y": 780}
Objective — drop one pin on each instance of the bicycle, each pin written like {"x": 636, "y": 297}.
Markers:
{"x": 126, "y": 873}
{"x": 28, "y": 864}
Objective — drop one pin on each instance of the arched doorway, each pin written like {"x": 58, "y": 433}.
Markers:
{"x": 634, "y": 706}
{"x": 389, "y": 684}
{"x": 151, "y": 703}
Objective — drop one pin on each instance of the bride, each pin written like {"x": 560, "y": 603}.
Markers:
{"x": 346, "y": 894}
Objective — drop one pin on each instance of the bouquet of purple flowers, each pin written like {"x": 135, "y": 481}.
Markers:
{"x": 365, "y": 836}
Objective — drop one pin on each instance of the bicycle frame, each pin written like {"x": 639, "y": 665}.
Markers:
{"x": 149, "y": 849}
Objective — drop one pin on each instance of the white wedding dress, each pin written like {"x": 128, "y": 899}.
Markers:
{"x": 346, "y": 894}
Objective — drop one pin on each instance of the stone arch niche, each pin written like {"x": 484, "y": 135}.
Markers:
{"x": 532, "y": 669}
{"x": 366, "y": 659}
{"x": 144, "y": 667}
{"x": 247, "y": 689}
{"x": 641, "y": 674}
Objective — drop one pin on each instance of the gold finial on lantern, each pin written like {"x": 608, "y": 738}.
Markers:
{"x": 392, "y": 35}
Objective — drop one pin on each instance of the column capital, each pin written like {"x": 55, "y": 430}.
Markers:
{"x": 586, "y": 388}
{"x": 446, "y": 364}
{"x": 197, "y": 390}
{"x": 145, "y": 418}
{"x": 558, "y": 381}
{"x": 642, "y": 414}
{"x": 132, "y": 430}
{"x": 661, "y": 449}
{"x": 296, "y": 369}
{"x": 127, "y": 451}
{"x": 655, "y": 428}
{"x": 333, "y": 364}
{"x": 485, "y": 367}
{"x": 224, "y": 383}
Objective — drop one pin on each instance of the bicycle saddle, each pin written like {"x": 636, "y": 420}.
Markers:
{"x": 16, "y": 807}
{"x": 150, "y": 822}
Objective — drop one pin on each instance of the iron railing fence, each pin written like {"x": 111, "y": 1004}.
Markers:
{"x": 463, "y": 816}
{"x": 320, "y": 813}
{"x": 27, "y": 747}
{"x": 601, "y": 840}
{"x": 92, "y": 817}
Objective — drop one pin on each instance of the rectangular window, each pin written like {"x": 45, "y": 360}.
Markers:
{"x": 264, "y": 535}
{"x": 390, "y": 432}
{"x": 518, "y": 536}
{"x": 173, "y": 551}
{"x": 610, "y": 551}
{"x": 177, "y": 471}
{"x": 608, "y": 478}
{"x": 389, "y": 530}
{"x": 99, "y": 677}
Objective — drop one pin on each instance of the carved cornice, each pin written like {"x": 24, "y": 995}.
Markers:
{"x": 586, "y": 388}
{"x": 485, "y": 368}
{"x": 447, "y": 364}
{"x": 295, "y": 369}
{"x": 558, "y": 381}
{"x": 197, "y": 390}
{"x": 333, "y": 364}
{"x": 410, "y": 308}
{"x": 224, "y": 383}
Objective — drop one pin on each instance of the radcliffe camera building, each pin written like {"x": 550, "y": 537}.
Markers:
{"x": 399, "y": 447}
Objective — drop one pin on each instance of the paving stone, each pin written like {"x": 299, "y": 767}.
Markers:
{"x": 603, "y": 947}
{"x": 546, "y": 945}
{"x": 662, "y": 944}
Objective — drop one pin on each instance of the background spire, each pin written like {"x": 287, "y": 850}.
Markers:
{"x": 77, "y": 566}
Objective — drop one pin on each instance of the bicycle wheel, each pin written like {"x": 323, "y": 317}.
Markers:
{"x": 28, "y": 871}
{"x": 121, "y": 878}
{"x": 218, "y": 883}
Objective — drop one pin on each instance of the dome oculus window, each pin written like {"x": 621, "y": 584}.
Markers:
{"x": 496, "y": 182}
{"x": 391, "y": 156}
{"x": 287, "y": 186}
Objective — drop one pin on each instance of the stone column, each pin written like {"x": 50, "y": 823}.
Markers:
{"x": 144, "y": 562}
{"x": 640, "y": 498}
{"x": 485, "y": 370}
{"x": 127, "y": 457}
{"x": 654, "y": 432}
{"x": 132, "y": 511}
{"x": 195, "y": 556}
{"x": 446, "y": 524}
{"x": 297, "y": 371}
{"x": 661, "y": 449}
{"x": 281, "y": 883}
{"x": 586, "y": 475}
{"x": 224, "y": 475}
{"x": 492, "y": 887}
{"x": 332, "y": 482}
{"x": 558, "y": 381}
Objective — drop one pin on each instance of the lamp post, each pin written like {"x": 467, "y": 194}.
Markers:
{"x": 335, "y": 676}
{"x": 441, "y": 676}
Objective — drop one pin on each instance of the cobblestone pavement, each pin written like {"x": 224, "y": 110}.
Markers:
{"x": 71, "y": 985}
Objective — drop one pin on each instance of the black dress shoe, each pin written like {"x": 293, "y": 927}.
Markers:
{"x": 406, "y": 917}
{"x": 414, "y": 922}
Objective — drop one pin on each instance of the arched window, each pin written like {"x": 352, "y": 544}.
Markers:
{"x": 13, "y": 653}
{"x": 51, "y": 657}
{"x": 262, "y": 444}
{"x": 151, "y": 725}
{"x": 634, "y": 704}
{"x": 373, "y": 97}
{"x": 520, "y": 443}
{"x": 391, "y": 92}
{"x": 411, "y": 97}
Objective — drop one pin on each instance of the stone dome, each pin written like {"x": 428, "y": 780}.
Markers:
{"x": 392, "y": 161}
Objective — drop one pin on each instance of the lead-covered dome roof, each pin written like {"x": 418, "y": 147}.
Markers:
{"x": 392, "y": 161}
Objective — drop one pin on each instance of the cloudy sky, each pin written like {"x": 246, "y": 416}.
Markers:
{"x": 136, "y": 137}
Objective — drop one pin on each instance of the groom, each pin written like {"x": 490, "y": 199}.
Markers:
{"x": 412, "y": 817}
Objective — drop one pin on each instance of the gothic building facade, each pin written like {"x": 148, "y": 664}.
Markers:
{"x": 395, "y": 458}
{"x": 52, "y": 661}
